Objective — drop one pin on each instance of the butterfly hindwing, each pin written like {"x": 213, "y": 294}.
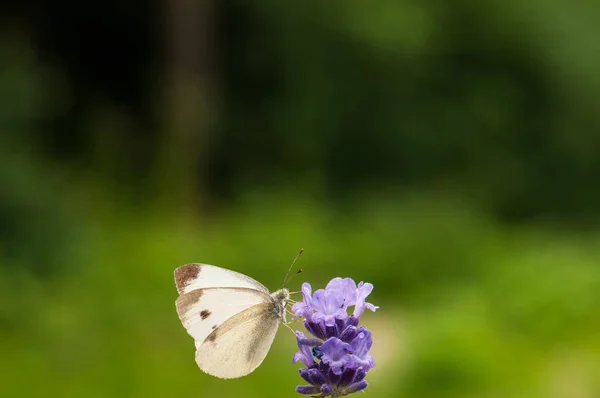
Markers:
{"x": 240, "y": 344}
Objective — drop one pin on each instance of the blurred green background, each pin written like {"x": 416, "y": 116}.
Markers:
{"x": 449, "y": 153}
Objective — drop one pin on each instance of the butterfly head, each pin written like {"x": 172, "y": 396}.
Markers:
{"x": 281, "y": 295}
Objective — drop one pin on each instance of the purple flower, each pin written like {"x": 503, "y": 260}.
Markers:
{"x": 305, "y": 354}
{"x": 346, "y": 288}
{"x": 364, "y": 289}
{"x": 304, "y": 309}
{"x": 360, "y": 347}
{"x": 329, "y": 306}
{"x": 337, "y": 357}
{"x": 335, "y": 354}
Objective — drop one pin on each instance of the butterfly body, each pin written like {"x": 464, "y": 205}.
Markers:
{"x": 280, "y": 298}
{"x": 232, "y": 318}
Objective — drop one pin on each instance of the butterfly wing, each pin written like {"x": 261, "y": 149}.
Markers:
{"x": 240, "y": 344}
{"x": 194, "y": 276}
{"x": 203, "y": 310}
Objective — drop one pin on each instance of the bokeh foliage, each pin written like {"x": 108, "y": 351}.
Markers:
{"x": 447, "y": 153}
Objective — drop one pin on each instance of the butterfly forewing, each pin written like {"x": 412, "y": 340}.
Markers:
{"x": 240, "y": 344}
{"x": 203, "y": 310}
{"x": 194, "y": 276}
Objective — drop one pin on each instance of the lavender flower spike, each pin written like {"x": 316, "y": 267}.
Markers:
{"x": 337, "y": 358}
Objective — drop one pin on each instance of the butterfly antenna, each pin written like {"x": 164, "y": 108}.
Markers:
{"x": 292, "y": 266}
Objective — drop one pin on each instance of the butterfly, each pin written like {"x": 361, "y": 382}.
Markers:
{"x": 232, "y": 318}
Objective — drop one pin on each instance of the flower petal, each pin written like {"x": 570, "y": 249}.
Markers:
{"x": 335, "y": 354}
{"x": 305, "y": 353}
{"x": 360, "y": 347}
{"x": 329, "y": 306}
{"x": 304, "y": 309}
{"x": 345, "y": 287}
{"x": 363, "y": 290}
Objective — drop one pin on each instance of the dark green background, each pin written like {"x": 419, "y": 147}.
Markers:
{"x": 447, "y": 152}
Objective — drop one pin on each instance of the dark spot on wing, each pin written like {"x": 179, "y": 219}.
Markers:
{"x": 185, "y": 274}
{"x": 214, "y": 327}
{"x": 205, "y": 314}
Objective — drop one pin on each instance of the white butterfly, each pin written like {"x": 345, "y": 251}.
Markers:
{"x": 232, "y": 318}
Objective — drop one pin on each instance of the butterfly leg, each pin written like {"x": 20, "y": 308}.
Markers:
{"x": 286, "y": 324}
{"x": 289, "y": 313}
